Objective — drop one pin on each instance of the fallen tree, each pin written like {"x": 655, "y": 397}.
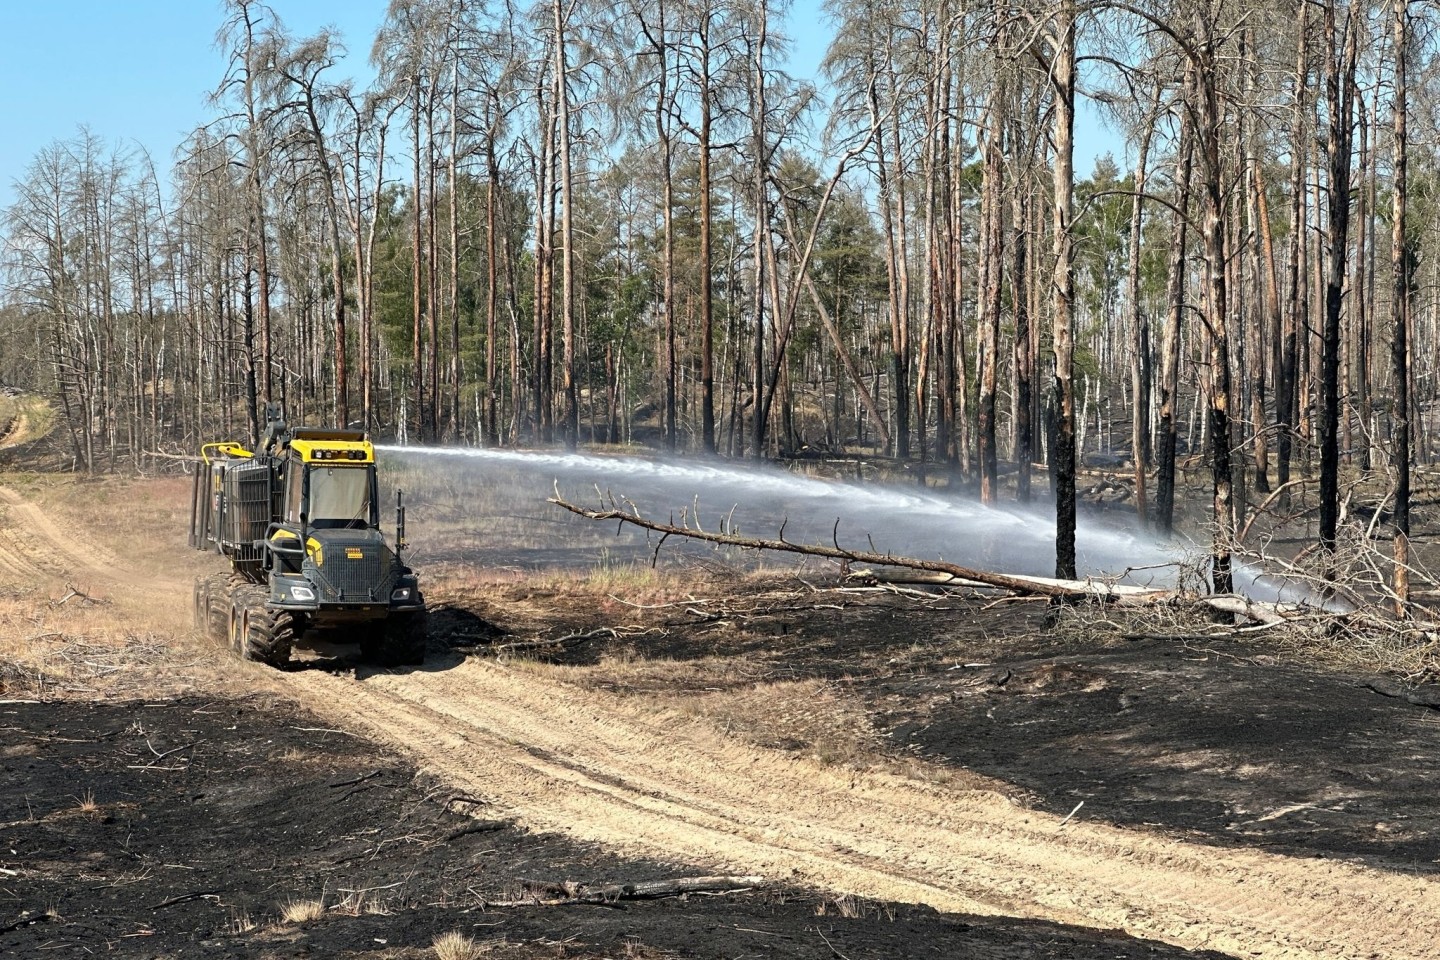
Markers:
{"x": 1090, "y": 589}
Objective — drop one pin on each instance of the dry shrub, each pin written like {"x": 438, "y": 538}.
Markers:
{"x": 1340, "y": 609}
{"x": 456, "y": 945}
{"x": 302, "y": 911}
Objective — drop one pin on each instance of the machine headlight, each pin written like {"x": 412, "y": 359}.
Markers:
{"x": 302, "y": 593}
{"x": 401, "y": 594}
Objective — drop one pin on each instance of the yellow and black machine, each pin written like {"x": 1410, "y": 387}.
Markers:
{"x": 298, "y": 519}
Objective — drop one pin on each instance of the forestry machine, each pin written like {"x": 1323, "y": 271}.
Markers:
{"x": 299, "y": 522}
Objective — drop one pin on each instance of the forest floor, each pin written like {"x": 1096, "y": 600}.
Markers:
{"x": 912, "y": 775}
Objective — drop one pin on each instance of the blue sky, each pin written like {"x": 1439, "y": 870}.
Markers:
{"x": 138, "y": 72}
{"x": 131, "y": 70}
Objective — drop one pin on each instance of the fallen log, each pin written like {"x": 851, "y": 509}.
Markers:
{"x": 1044, "y": 586}
{"x": 545, "y": 893}
{"x": 1087, "y": 588}
{"x": 941, "y": 572}
{"x": 1424, "y": 695}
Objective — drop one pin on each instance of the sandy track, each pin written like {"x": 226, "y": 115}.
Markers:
{"x": 31, "y": 543}
{"x": 596, "y": 767}
{"x": 16, "y": 432}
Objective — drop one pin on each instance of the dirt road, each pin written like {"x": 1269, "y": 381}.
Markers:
{"x": 600, "y": 768}
{"x": 590, "y": 765}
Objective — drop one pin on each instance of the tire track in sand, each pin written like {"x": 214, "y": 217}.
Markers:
{"x": 16, "y": 432}
{"x": 601, "y": 768}
{"x": 31, "y": 543}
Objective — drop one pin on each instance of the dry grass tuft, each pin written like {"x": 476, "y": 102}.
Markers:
{"x": 86, "y": 803}
{"x": 361, "y": 902}
{"x": 852, "y": 908}
{"x": 301, "y": 911}
{"x": 455, "y": 945}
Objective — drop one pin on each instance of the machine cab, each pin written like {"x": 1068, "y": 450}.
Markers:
{"x": 330, "y": 487}
{"x": 327, "y": 484}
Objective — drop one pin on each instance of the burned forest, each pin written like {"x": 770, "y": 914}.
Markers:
{"x": 699, "y": 478}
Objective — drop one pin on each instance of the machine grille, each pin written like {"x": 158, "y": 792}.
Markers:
{"x": 353, "y": 572}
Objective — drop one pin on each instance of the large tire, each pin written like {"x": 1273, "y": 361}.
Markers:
{"x": 244, "y": 601}
{"x": 269, "y": 635}
{"x": 399, "y": 641}
{"x": 220, "y": 598}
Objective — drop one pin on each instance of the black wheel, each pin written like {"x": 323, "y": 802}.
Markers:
{"x": 217, "y": 607}
{"x": 399, "y": 641}
{"x": 269, "y": 634}
{"x": 245, "y": 601}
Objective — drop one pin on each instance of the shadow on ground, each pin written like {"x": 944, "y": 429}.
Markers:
{"x": 182, "y": 829}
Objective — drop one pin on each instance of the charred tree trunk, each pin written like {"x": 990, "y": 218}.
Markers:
{"x": 492, "y": 293}
{"x": 1139, "y": 335}
{"x": 1063, "y": 327}
{"x": 1401, "y": 282}
{"x": 1167, "y": 433}
{"x": 992, "y": 258}
{"x": 1217, "y": 305}
{"x": 417, "y": 285}
{"x": 567, "y": 236}
{"x": 1287, "y": 385}
{"x": 1024, "y": 355}
{"x": 707, "y": 294}
{"x": 1339, "y": 92}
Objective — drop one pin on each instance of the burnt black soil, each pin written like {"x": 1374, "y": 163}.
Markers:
{"x": 1199, "y": 738}
{"x": 1215, "y": 740}
{"x": 180, "y": 829}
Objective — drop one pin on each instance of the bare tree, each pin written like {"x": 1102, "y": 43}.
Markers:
{"x": 1340, "y": 57}
{"x": 1401, "y": 284}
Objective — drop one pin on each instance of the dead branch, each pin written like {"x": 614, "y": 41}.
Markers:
{"x": 1254, "y": 609}
{"x": 480, "y": 826}
{"x": 544, "y": 893}
{"x": 1044, "y": 586}
{"x": 1265, "y": 506}
{"x": 1420, "y": 696}
{"x": 942, "y": 573}
{"x": 361, "y": 779}
{"x": 72, "y": 593}
{"x": 185, "y": 898}
{"x": 570, "y": 639}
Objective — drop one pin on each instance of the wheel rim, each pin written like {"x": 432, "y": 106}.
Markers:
{"x": 234, "y": 630}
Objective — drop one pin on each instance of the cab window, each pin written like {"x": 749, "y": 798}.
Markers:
{"x": 294, "y": 478}
{"x": 339, "y": 497}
